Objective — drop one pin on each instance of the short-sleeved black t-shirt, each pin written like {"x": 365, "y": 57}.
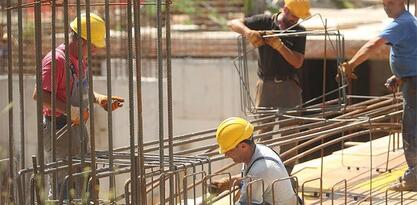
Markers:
{"x": 270, "y": 61}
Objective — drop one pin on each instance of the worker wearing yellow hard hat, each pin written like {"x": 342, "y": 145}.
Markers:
{"x": 234, "y": 137}
{"x": 97, "y": 28}
{"x": 78, "y": 84}
{"x": 300, "y": 8}
{"x": 280, "y": 58}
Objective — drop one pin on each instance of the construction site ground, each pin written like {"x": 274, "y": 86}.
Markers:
{"x": 353, "y": 165}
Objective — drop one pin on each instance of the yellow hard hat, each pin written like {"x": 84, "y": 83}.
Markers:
{"x": 97, "y": 28}
{"x": 300, "y": 8}
{"x": 231, "y": 132}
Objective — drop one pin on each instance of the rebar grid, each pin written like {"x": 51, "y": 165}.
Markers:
{"x": 150, "y": 171}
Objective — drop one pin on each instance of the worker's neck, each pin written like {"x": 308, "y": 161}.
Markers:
{"x": 73, "y": 49}
{"x": 399, "y": 12}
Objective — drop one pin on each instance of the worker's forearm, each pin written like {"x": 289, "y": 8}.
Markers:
{"x": 294, "y": 58}
{"x": 366, "y": 50}
{"x": 361, "y": 56}
{"x": 238, "y": 26}
{"x": 235, "y": 179}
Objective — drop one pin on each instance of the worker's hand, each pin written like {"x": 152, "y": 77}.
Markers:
{"x": 393, "y": 83}
{"x": 274, "y": 42}
{"x": 255, "y": 38}
{"x": 347, "y": 70}
{"x": 116, "y": 101}
{"x": 217, "y": 187}
{"x": 75, "y": 115}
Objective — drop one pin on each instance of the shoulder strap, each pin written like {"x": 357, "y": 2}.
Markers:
{"x": 260, "y": 158}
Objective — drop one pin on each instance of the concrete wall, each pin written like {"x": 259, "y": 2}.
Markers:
{"x": 205, "y": 91}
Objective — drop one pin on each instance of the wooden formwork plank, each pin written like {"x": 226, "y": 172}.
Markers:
{"x": 352, "y": 164}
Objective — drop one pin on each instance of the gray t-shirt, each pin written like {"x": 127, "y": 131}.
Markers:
{"x": 269, "y": 169}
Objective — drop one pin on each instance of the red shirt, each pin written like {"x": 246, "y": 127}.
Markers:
{"x": 60, "y": 75}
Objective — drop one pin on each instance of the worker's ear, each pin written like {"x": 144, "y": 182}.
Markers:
{"x": 243, "y": 145}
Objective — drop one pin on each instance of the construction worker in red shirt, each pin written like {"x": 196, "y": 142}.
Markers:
{"x": 78, "y": 77}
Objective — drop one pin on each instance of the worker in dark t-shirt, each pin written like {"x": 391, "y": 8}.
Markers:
{"x": 279, "y": 57}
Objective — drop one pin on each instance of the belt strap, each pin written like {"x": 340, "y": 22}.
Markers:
{"x": 278, "y": 77}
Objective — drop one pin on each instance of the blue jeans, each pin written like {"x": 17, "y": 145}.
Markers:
{"x": 409, "y": 131}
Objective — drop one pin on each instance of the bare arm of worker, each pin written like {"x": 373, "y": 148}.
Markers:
{"x": 294, "y": 58}
{"x": 238, "y": 26}
{"x": 365, "y": 51}
{"x": 254, "y": 37}
{"x": 224, "y": 184}
{"x": 46, "y": 101}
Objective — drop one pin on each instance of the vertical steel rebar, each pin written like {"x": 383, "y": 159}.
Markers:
{"x": 21, "y": 97}
{"x": 133, "y": 174}
{"x": 138, "y": 57}
{"x": 160, "y": 92}
{"x": 93, "y": 191}
{"x": 169, "y": 95}
{"x": 112, "y": 180}
{"x": 81, "y": 76}
{"x": 10, "y": 98}
{"x": 36, "y": 179}
{"x": 370, "y": 161}
{"x": 53, "y": 99}
{"x": 39, "y": 101}
{"x": 67, "y": 92}
{"x": 323, "y": 113}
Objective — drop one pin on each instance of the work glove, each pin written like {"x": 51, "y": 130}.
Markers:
{"x": 75, "y": 115}
{"x": 393, "y": 83}
{"x": 116, "y": 101}
{"x": 255, "y": 38}
{"x": 274, "y": 42}
{"x": 347, "y": 70}
{"x": 217, "y": 187}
